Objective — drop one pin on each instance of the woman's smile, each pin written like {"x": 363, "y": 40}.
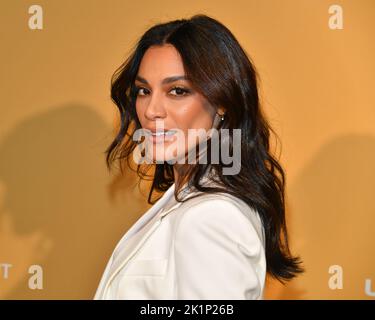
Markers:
{"x": 162, "y": 136}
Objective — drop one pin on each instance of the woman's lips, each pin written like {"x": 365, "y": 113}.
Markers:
{"x": 162, "y": 136}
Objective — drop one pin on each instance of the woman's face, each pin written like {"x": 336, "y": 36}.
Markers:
{"x": 166, "y": 101}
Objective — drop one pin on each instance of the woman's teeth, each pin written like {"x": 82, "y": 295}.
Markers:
{"x": 161, "y": 133}
{"x": 162, "y": 136}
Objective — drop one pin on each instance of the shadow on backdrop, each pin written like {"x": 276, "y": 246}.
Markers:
{"x": 58, "y": 204}
{"x": 333, "y": 219}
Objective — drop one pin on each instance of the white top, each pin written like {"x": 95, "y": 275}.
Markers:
{"x": 130, "y": 242}
{"x": 213, "y": 247}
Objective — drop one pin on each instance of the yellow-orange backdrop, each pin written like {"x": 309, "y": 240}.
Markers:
{"x": 60, "y": 208}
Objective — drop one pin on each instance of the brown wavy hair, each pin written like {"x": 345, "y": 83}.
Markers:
{"x": 220, "y": 69}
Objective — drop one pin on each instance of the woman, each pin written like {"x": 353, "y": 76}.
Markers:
{"x": 218, "y": 229}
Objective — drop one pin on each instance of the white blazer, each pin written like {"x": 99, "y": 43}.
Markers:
{"x": 210, "y": 247}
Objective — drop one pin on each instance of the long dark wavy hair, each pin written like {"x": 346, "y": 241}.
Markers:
{"x": 219, "y": 68}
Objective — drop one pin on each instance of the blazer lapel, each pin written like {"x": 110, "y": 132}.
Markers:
{"x": 139, "y": 232}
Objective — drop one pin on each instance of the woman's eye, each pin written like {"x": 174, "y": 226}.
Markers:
{"x": 180, "y": 91}
{"x": 138, "y": 91}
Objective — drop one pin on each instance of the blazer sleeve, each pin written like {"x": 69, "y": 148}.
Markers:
{"x": 218, "y": 253}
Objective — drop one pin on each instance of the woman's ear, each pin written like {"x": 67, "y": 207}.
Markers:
{"x": 220, "y": 111}
{"x": 216, "y": 121}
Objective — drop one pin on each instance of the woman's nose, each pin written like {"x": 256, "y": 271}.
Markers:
{"x": 155, "y": 108}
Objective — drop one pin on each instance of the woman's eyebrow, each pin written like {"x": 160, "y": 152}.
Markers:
{"x": 165, "y": 80}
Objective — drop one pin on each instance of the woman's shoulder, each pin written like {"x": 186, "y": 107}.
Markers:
{"x": 218, "y": 248}
{"x": 220, "y": 200}
{"x": 223, "y": 211}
